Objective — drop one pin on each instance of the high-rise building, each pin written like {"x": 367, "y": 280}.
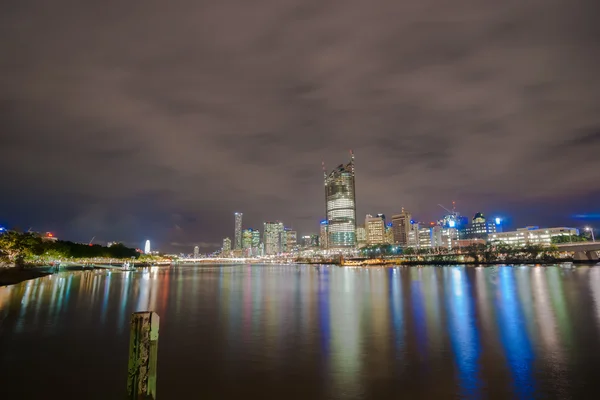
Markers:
{"x": 238, "y": 231}
{"x": 389, "y": 234}
{"x": 413, "y": 234}
{"x": 147, "y": 248}
{"x": 315, "y": 240}
{"x": 283, "y": 240}
{"x": 340, "y": 203}
{"x": 272, "y": 235}
{"x": 246, "y": 238}
{"x": 361, "y": 236}
{"x": 226, "y": 247}
{"x": 196, "y": 251}
{"x": 401, "y": 227}
{"x": 375, "y": 229}
{"x": 305, "y": 241}
{"x": 291, "y": 240}
{"x": 324, "y": 235}
{"x": 256, "y": 242}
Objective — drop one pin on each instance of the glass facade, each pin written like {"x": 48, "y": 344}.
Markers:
{"x": 272, "y": 235}
{"x": 238, "y": 231}
{"x": 340, "y": 201}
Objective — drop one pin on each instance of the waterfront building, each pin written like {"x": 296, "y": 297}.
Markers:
{"x": 291, "y": 240}
{"x": 196, "y": 252}
{"x": 401, "y": 227}
{"x": 340, "y": 203}
{"x": 226, "y": 250}
{"x": 479, "y": 228}
{"x": 375, "y": 229}
{"x": 436, "y": 236}
{"x": 147, "y": 248}
{"x": 256, "y": 243}
{"x": 247, "y": 242}
{"x": 413, "y": 235}
{"x": 389, "y": 234}
{"x": 361, "y": 236}
{"x": 531, "y": 235}
{"x": 424, "y": 238}
{"x": 272, "y": 237}
{"x": 305, "y": 241}
{"x": 247, "y": 239}
{"x": 314, "y": 240}
{"x": 237, "y": 238}
{"x": 324, "y": 235}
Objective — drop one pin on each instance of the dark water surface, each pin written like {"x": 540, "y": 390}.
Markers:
{"x": 302, "y": 332}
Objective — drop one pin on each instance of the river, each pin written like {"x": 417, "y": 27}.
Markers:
{"x": 307, "y": 332}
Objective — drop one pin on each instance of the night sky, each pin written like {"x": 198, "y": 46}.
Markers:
{"x": 129, "y": 120}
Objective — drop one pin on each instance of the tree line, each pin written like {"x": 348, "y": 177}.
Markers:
{"x": 20, "y": 248}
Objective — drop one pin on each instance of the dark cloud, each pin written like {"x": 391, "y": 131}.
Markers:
{"x": 116, "y": 116}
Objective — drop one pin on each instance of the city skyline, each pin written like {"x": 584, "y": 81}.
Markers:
{"x": 169, "y": 132}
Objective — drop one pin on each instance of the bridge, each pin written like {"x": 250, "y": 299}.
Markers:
{"x": 582, "y": 251}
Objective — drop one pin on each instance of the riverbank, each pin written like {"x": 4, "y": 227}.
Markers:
{"x": 14, "y": 275}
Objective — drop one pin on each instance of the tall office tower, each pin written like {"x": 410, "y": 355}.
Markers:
{"x": 306, "y": 241}
{"x": 413, "y": 235}
{"x": 196, "y": 251}
{"x": 247, "y": 241}
{"x": 292, "y": 240}
{"x": 283, "y": 241}
{"x": 389, "y": 234}
{"x": 255, "y": 242}
{"x": 324, "y": 235}
{"x": 361, "y": 236}
{"x": 340, "y": 204}
{"x": 272, "y": 234}
{"x": 375, "y": 229}
{"x": 315, "y": 240}
{"x": 237, "y": 239}
{"x": 226, "y": 246}
{"x": 147, "y": 248}
{"x": 401, "y": 227}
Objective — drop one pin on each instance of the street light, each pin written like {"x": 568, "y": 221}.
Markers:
{"x": 587, "y": 228}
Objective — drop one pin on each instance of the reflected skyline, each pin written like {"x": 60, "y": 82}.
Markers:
{"x": 361, "y": 331}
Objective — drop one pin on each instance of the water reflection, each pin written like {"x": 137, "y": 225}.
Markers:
{"x": 463, "y": 330}
{"x": 343, "y": 332}
{"x": 513, "y": 333}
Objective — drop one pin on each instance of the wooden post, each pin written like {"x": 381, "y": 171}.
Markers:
{"x": 143, "y": 351}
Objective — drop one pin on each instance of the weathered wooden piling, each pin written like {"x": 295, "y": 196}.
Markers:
{"x": 143, "y": 351}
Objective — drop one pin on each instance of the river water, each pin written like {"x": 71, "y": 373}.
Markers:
{"x": 307, "y": 332}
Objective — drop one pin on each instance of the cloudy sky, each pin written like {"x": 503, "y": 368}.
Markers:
{"x": 128, "y": 120}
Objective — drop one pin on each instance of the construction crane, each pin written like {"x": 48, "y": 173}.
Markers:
{"x": 453, "y": 212}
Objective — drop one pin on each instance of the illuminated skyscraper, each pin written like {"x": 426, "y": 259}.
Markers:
{"x": 291, "y": 240}
{"x": 272, "y": 235}
{"x": 256, "y": 242}
{"x": 401, "y": 227}
{"x": 340, "y": 203}
{"x": 375, "y": 229}
{"x": 361, "y": 236}
{"x": 196, "y": 251}
{"x": 246, "y": 238}
{"x": 147, "y": 248}
{"x": 323, "y": 234}
{"x": 237, "y": 239}
{"x": 389, "y": 234}
{"x": 226, "y": 246}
